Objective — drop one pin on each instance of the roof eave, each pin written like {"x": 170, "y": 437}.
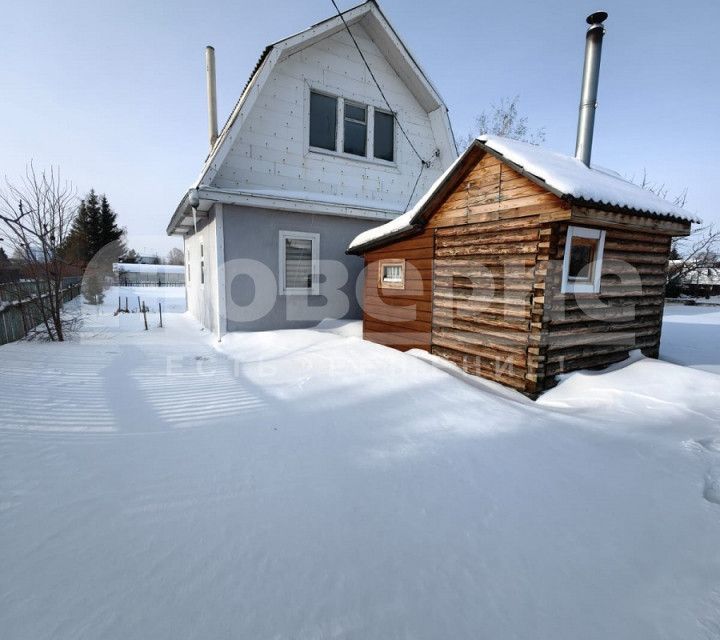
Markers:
{"x": 178, "y": 214}
{"x": 381, "y": 242}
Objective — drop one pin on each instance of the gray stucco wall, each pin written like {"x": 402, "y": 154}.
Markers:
{"x": 253, "y": 234}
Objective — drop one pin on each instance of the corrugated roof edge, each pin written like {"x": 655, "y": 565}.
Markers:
{"x": 416, "y": 224}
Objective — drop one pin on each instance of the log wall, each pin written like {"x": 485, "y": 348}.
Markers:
{"x": 487, "y": 286}
{"x": 582, "y": 331}
{"x": 491, "y": 237}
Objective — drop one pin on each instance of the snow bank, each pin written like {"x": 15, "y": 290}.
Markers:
{"x": 691, "y": 336}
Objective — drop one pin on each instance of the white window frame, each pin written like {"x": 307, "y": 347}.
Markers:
{"x": 570, "y": 286}
{"x": 339, "y": 151}
{"x": 314, "y": 290}
{"x": 368, "y": 111}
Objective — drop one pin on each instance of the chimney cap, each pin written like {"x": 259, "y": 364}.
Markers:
{"x": 597, "y": 18}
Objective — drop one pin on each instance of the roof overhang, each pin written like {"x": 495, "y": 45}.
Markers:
{"x": 317, "y": 204}
{"x": 458, "y": 172}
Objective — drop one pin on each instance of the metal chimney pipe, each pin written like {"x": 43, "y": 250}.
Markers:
{"x": 588, "y": 93}
{"x": 211, "y": 94}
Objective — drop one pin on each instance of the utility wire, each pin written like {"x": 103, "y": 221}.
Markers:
{"x": 425, "y": 163}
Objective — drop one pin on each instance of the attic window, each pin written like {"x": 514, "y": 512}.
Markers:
{"x": 391, "y": 274}
{"x": 323, "y": 121}
{"x": 384, "y": 136}
{"x": 355, "y": 140}
{"x": 350, "y": 129}
{"x": 582, "y": 263}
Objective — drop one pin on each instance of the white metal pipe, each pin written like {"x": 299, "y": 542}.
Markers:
{"x": 211, "y": 94}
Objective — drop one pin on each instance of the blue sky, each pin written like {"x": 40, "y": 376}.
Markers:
{"x": 113, "y": 92}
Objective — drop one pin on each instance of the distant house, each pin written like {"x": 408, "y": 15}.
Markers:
{"x": 157, "y": 275}
{"x": 702, "y": 280}
{"x": 521, "y": 264}
{"x": 311, "y": 155}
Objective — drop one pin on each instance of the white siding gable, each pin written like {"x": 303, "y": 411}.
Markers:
{"x": 270, "y": 152}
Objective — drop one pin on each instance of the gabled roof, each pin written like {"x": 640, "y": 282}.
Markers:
{"x": 382, "y": 33}
{"x": 564, "y": 176}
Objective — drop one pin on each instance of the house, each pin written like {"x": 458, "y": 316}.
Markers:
{"x": 338, "y": 130}
{"x": 148, "y": 275}
{"x": 520, "y": 264}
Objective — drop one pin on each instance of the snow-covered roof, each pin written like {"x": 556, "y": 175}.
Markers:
{"x": 147, "y": 268}
{"x": 565, "y": 176}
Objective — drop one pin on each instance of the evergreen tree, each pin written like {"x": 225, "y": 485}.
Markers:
{"x": 92, "y": 289}
{"x": 4, "y": 260}
{"x": 94, "y": 228}
{"x": 76, "y": 246}
{"x": 130, "y": 257}
{"x": 108, "y": 229}
{"x": 92, "y": 205}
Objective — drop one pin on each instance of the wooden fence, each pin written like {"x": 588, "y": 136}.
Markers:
{"x": 17, "y": 319}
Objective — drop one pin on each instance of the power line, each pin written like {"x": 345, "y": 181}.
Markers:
{"x": 425, "y": 163}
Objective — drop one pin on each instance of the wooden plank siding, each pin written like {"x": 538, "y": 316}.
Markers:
{"x": 400, "y": 318}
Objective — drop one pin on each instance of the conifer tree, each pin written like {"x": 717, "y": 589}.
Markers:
{"x": 92, "y": 205}
{"x": 130, "y": 257}
{"x": 94, "y": 228}
{"x": 108, "y": 229}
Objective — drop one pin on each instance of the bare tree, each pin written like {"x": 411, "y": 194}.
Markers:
{"x": 692, "y": 254}
{"x": 35, "y": 216}
{"x": 175, "y": 256}
{"x": 505, "y": 120}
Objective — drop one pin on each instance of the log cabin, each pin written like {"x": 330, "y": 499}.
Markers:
{"x": 520, "y": 264}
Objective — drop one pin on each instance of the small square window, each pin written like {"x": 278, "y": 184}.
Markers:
{"x": 323, "y": 121}
{"x": 391, "y": 274}
{"x": 355, "y": 140}
{"x": 582, "y": 263}
{"x": 384, "y": 136}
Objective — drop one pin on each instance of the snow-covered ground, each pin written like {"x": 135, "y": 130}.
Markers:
{"x": 691, "y": 336}
{"x": 307, "y": 485}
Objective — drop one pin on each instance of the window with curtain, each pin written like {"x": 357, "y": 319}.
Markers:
{"x": 299, "y": 262}
{"x": 391, "y": 274}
